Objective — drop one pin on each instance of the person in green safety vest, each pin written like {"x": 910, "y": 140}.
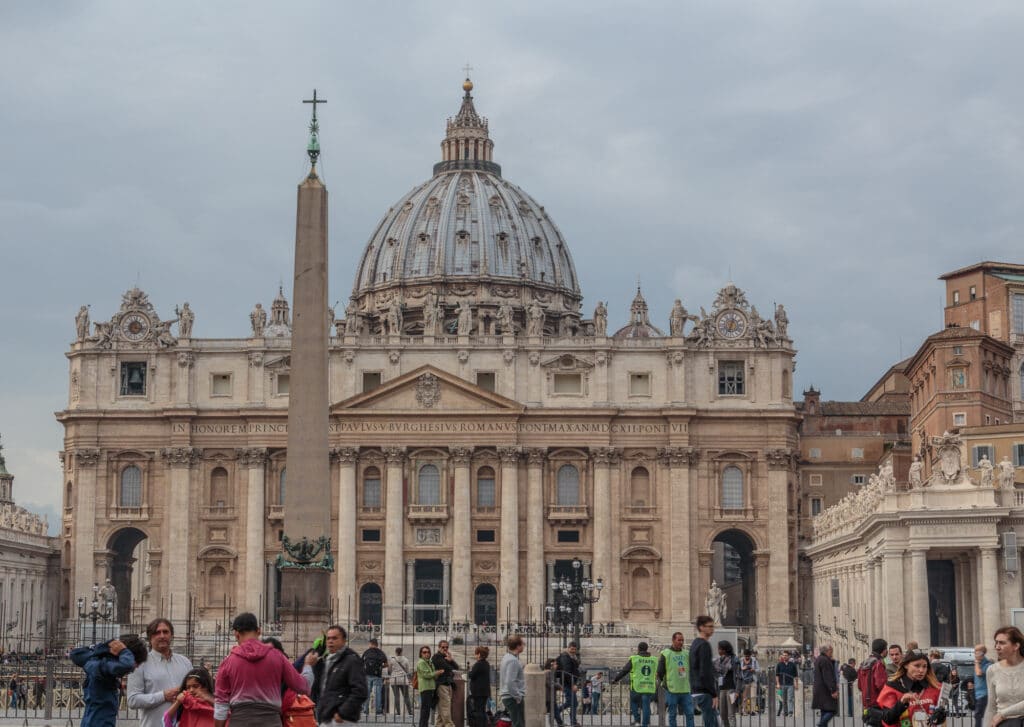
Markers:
{"x": 642, "y": 670}
{"x": 674, "y": 674}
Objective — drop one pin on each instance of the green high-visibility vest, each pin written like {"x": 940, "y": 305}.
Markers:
{"x": 677, "y": 671}
{"x": 642, "y": 674}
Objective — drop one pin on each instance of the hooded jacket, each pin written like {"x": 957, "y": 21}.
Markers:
{"x": 254, "y": 672}
{"x": 102, "y": 687}
{"x": 894, "y": 711}
{"x": 344, "y": 689}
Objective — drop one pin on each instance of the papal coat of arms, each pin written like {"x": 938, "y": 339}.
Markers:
{"x": 949, "y": 447}
{"x": 428, "y": 390}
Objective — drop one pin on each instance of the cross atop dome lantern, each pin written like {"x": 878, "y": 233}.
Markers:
{"x": 467, "y": 144}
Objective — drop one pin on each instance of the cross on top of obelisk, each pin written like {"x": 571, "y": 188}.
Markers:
{"x": 313, "y": 148}
{"x": 467, "y": 68}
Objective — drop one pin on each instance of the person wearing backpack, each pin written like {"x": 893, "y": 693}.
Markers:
{"x": 871, "y": 679}
{"x": 373, "y": 662}
{"x": 104, "y": 665}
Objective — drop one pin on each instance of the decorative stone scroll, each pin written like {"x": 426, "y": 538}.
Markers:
{"x": 394, "y": 455}
{"x": 779, "y": 458}
{"x": 251, "y": 456}
{"x": 460, "y": 455}
{"x": 87, "y": 457}
{"x": 509, "y": 454}
{"x": 345, "y": 455}
{"x": 678, "y": 456}
{"x": 428, "y": 536}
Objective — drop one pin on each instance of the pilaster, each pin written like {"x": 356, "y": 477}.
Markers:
{"x": 680, "y": 503}
{"x": 603, "y": 459}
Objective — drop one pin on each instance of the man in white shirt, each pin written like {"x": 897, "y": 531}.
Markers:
{"x": 156, "y": 683}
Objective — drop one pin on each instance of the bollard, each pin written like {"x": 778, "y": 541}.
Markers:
{"x": 662, "y": 714}
{"x": 772, "y": 704}
{"x": 535, "y": 685}
{"x": 48, "y": 692}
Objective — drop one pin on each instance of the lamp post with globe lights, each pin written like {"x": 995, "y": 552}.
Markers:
{"x": 571, "y": 597}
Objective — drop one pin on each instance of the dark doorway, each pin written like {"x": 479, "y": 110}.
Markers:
{"x": 428, "y": 590}
{"x": 370, "y": 604}
{"x": 485, "y": 605}
{"x": 122, "y": 545}
{"x": 732, "y": 566}
{"x": 942, "y": 602}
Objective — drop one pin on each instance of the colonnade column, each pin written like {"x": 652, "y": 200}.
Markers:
{"x": 779, "y": 463}
{"x": 891, "y": 596}
{"x": 679, "y": 460}
{"x": 345, "y": 538}
{"x": 920, "y": 627}
{"x": 508, "y": 597}
{"x": 988, "y": 593}
{"x": 255, "y": 459}
{"x": 536, "y": 584}
{"x": 461, "y": 563}
{"x": 877, "y": 602}
{"x": 85, "y": 494}
{"x": 394, "y": 538}
{"x": 602, "y": 565}
{"x": 180, "y": 565}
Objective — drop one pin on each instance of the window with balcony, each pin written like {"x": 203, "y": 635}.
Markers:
{"x": 568, "y": 536}
{"x": 568, "y": 486}
{"x": 130, "y": 494}
{"x": 732, "y": 488}
{"x": 731, "y": 378}
{"x": 485, "y": 494}
{"x": 371, "y": 488}
{"x": 429, "y": 485}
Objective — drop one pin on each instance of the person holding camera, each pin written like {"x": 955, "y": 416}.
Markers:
{"x": 912, "y": 694}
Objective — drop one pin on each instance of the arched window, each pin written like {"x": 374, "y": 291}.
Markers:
{"x": 640, "y": 487}
{"x": 371, "y": 487}
{"x": 485, "y": 605}
{"x": 370, "y": 601}
{"x": 429, "y": 485}
{"x": 217, "y": 585}
{"x": 485, "y": 487}
{"x": 131, "y": 487}
{"x": 219, "y": 487}
{"x": 732, "y": 488}
{"x": 568, "y": 485}
{"x": 280, "y": 486}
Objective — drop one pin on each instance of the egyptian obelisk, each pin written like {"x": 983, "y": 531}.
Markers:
{"x": 306, "y": 562}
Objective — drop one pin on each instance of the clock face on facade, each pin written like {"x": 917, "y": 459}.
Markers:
{"x": 134, "y": 326}
{"x": 731, "y": 324}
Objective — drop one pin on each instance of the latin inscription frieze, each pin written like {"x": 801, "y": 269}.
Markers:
{"x": 433, "y": 427}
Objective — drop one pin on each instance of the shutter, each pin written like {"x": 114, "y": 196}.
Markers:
{"x": 1011, "y": 564}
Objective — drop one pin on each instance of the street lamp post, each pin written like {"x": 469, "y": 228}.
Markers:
{"x": 97, "y": 611}
{"x": 571, "y": 597}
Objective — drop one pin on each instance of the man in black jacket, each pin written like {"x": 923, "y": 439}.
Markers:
{"x": 444, "y": 663}
{"x": 342, "y": 685}
{"x": 703, "y": 680}
{"x": 373, "y": 662}
{"x": 569, "y": 672}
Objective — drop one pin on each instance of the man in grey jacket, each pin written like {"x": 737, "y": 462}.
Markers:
{"x": 513, "y": 682}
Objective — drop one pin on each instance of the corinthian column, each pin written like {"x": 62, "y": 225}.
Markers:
{"x": 508, "y": 598}
{"x": 536, "y": 583}
{"x": 345, "y": 568}
{"x": 679, "y": 460}
{"x": 461, "y": 526}
{"x": 394, "y": 546}
{"x": 255, "y": 459}
{"x": 602, "y": 566}
{"x": 180, "y": 562}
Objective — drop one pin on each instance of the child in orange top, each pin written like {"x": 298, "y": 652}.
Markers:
{"x": 194, "y": 705}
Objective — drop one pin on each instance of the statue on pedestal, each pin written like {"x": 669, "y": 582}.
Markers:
{"x": 1006, "y": 473}
{"x": 781, "y": 321}
{"x": 108, "y": 598}
{"x": 986, "y": 471}
{"x": 677, "y": 319}
{"x": 715, "y": 603}
{"x": 915, "y": 472}
{"x": 601, "y": 319}
{"x": 506, "y": 322}
{"x": 465, "y": 320}
{"x": 258, "y": 317}
{"x": 82, "y": 323}
{"x": 535, "y": 319}
{"x": 185, "y": 320}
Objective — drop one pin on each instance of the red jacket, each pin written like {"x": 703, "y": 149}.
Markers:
{"x": 871, "y": 679}
{"x": 194, "y": 713}
{"x": 889, "y": 699}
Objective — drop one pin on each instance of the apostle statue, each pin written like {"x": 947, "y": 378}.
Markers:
{"x": 535, "y": 319}
{"x": 185, "y": 320}
{"x": 986, "y": 471}
{"x": 353, "y": 321}
{"x": 1006, "y": 474}
{"x": 506, "y": 321}
{"x": 715, "y": 603}
{"x": 258, "y": 317}
{"x": 465, "y": 321}
{"x": 82, "y": 323}
{"x": 108, "y": 598}
{"x": 887, "y": 476}
{"x": 916, "y": 467}
{"x": 394, "y": 317}
{"x": 781, "y": 321}
{"x": 677, "y": 319}
{"x": 601, "y": 319}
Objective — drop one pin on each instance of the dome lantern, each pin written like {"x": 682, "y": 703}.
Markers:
{"x": 467, "y": 143}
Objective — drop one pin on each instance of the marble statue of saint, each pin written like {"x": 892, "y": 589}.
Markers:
{"x": 506, "y": 321}
{"x": 465, "y": 324}
{"x": 353, "y": 323}
{"x": 715, "y": 603}
{"x": 677, "y": 319}
{"x": 601, "y": 319}
{"x": 1006, "y": 473}
{"x": 185, "y": 320}
{"x": 915, "y": 472}
{"x": 108, "y": 598}
{"x": 162, "y": 334}
{"x": 535, "y": 319}
{"x": 986, "y": 471}
{"x": 82, "y": 323}
{"x": 395, "y": 317}
{"x": 781, "y": 321}
{"x": 259, "y": 320}
{"x": 886, "y": 474}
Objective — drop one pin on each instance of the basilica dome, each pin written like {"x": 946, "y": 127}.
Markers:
{"x": 466, "y": 236}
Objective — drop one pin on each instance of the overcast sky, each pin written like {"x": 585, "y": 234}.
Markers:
{"x": 836, "y": 157}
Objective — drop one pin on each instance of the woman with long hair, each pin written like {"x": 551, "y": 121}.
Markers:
{"x": 194, "y": 704}
{"x": 726, "y": 667}
{"x": 1005, "y": 678}
{"x": 912, "y": 690}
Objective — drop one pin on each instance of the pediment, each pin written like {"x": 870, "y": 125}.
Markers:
{"x": 429, "y": 389}
{"x": 567, "y": 362}
{"x": 278, "y": 363}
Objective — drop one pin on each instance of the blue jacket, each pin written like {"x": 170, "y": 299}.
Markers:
{"x": 102, "y": 687}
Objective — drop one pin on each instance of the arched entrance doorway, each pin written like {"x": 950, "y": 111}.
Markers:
{"x": 127, "y": 551}
{"x": 732, "y": 566}
{"x": 485, "y": 605}
{"x": 370, "y": 604}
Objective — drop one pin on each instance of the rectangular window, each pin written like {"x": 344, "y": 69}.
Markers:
{"x": 485, "y": 536}
{"x": 371, "y": 535}
{"x": 220, "y": 385}
{"x": 371, "y": 380}
{"x": 815, "y": 453}
{"x": 284, "y": 382}
{"x": 857, "y": 453}
{"x": 640, "y": 384}
{"x": 976, "y": 325}
{"x": 815, "y": 480}
{"x": 568, "y": 383}
{"x": 956, "y": 297}
{"x": 982, "y": 449}
{"x": 371, "y": 492}
{"x": 858, "y": 479}
{"x": 485, "y": 492}
{"x": 730, "y": 378}
{"x": 133, "y": 378}
{"x": 1018, "y": 454}
{"x": 486, "y": 380}
{"x": 835, "y": 593}
{"x": 958, "y": 350}
{"x": 1018, "y": 313}
{"x": 815, "y": 506}
{"x": 568, "y": 536}
{"x": 973, "y": 292}
{"x": 959, "y": 419}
